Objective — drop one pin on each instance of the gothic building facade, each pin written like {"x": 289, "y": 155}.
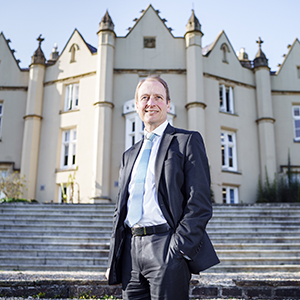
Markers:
{"x": 65, "y": 121}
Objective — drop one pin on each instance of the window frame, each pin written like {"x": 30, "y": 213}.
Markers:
{"x": 228, "y": 195}
{"x": 67, "y": 192}
{"x": 226, "y": 100}
{"x": 71, "y": 92}
{"x": 1, "y": 118}
{"x": 296, "y": 119}
{"x": 3, "y": 174}
{"x": 228, "y": 160}
{"x": 133, "y": 136}
{"x": 69, "y": 161}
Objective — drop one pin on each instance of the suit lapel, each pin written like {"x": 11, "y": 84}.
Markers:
{"x": 162, "y": 151}
{"x": 132, "y": 156}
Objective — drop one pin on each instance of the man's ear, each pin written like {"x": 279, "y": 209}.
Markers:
{"x": 168, "y": 105}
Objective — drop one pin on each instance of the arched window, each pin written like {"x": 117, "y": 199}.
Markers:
{"x": 225, "y": 49}
{"x": 73, "y": 49}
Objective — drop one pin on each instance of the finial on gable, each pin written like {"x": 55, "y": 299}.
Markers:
{"x": 260, "y": 57}
{"x": 193, "y": 23}
{"x": 106, "y": 23}
{"x": 38, "y": 56}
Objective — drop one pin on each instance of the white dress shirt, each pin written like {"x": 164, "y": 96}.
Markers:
{"x": 152, "y": 214}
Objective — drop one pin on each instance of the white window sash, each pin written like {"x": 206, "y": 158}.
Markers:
{"x": 295, "y": 121}
{"x": 60, "y": 194}
{"x": 223, "y": 107}
{"x": 68, "y": 153}
{"x": 228, "y": 194}
{"x": 226, "y": 144}
{"x": 131, "y": 135}
{"x": 1, "y": 114}
{"x": 71, "y": 97}
{"x": 231, "y": 100}
{"x": 225, "y": 101}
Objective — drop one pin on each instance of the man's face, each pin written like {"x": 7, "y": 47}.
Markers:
{"x": 152, "y": 105}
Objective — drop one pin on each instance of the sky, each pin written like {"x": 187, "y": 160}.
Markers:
{"x": 277, "y": 22}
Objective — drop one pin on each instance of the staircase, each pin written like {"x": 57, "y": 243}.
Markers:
{"x": 256, "y": 238}
{"x": 66, "y": 237}
{"x": 60, "y": 237}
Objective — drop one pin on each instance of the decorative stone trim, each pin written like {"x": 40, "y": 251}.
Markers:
{"x": 32, "y": 117}
{"x": 195, "y": 104}
{"x": 13, "y": 88}
{"x": 232, "y": 172}
{"x": 69, "y": 78}
{"x": 285, "y": 92}
{"x": 145, "y": 72}
{"x": 229, "y": 81}
{"x": 104, "y": 103}
{"x": 265, "y": 119}
{"x": 61, "y": 112}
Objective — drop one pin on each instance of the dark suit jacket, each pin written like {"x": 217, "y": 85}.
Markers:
{"x": 182, "y": 181}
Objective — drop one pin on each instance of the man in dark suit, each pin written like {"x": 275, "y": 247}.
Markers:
{"x": 159, "y": 236}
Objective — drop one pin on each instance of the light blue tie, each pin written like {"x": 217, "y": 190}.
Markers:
{"x": 136, "y": 206}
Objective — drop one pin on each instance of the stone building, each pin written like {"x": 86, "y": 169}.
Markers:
{"x": 73, "y": 114}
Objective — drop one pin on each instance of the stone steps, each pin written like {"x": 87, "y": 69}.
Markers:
{"x": 70, "y": 237}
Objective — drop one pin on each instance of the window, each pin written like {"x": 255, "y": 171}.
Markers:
{"x": 73, "y": 50}
{"x": 64, "y": 193}
{"x": 68, "y": 157}
{"x": 134, "y": 127}
{"x": 71, "y": 96}
{"x": 3, "y": 174}
{"x": 228, "y": 151}
{"x": 296, "y": 116}
{"x": 230, "y": 195}
{"x": 134, "y": 130}
{"x": 149, "y": 42}
{"x": 226, "y": 98}
{"x": 298, "y": 71}
{"x": 225, "y": 50}
{"x": 1, "y": 115}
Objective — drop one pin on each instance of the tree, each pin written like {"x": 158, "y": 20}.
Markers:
{"x": 12, "y": 185}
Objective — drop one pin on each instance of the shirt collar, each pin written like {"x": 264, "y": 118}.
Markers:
{"x": 159, "y": 130}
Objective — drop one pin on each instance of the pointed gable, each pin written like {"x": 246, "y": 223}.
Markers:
{"x": 221, "y": 60}
{"x": 10, "y": 72}
{"x": 289, "y": 69}
{"x": 77, "y": 57}
{"x": 149, "y": 45}
{"x": 150, "y": 10}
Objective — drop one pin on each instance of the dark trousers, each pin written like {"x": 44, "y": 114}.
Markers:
{"x": 153, "y": 268}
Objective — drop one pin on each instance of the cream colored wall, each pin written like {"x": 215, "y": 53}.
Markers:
{"x": 284, "y": 129}
{"x": 49, "y": 142}
{"x": 10, "y": 73}
{"x": 245, "y": 128}
{"x": 55, "y": 121}
{"x": 287, "y": 78}
{"x": 14, "y": 105}
{"x": 286, "y": 83}
{"x": 50, "y": 173}
{"x": 169, "y": 52}
{"x": 232, "y": 70}
{"x": 86, "y": 62}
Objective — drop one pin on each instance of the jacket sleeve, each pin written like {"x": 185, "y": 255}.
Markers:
{"x": 116, "y": 213}
{"x": 198, "y": 208}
